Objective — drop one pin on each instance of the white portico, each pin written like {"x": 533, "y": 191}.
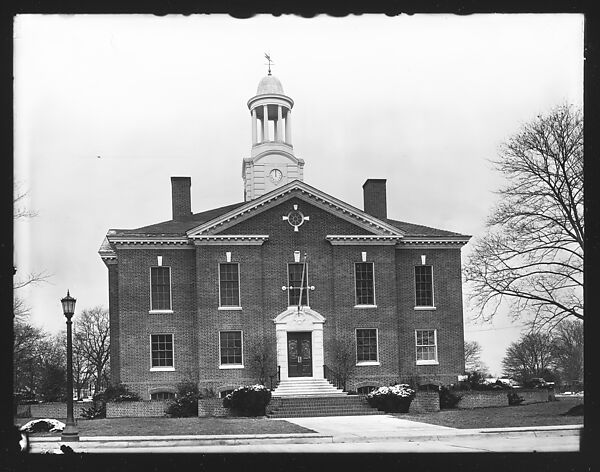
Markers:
{"x": 293, "y": 328}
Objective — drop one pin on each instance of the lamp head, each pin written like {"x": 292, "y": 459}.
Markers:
{"x": 68, "y": 304}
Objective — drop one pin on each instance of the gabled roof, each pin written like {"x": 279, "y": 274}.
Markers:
{"x": 178, "y": 227}
{"x": 219, "y": 219}
{"x": 302, "y": 190}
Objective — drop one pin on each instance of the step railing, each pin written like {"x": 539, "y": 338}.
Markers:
{"x": 278, "y": 375}
{"x": 333, "y": 377}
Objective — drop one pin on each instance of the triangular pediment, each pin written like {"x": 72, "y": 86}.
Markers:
{"x": 302, "y": 191}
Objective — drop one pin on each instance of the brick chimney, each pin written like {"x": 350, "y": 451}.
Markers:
{"x": 181, "y": 197}
{"x": 374, "y": 198}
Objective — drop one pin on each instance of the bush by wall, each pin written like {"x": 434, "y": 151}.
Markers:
{"x": 186, "y": 401}
{"x": 393, "y": 399}
{"x": 249, "y": 400}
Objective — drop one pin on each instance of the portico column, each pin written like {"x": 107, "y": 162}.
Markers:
{"x": 288, "y": 127}
{"x": 265, "y": 123}
{"x": 278, "y": 123}
{"x": 254, "y": 130}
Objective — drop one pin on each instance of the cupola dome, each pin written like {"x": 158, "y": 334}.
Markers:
{"x": 269, "y": 85}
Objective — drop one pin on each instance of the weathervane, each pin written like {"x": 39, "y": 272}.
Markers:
{"x": 270, "y": 61}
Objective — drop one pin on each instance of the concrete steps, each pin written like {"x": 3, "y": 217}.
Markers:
{"x": 340, "y": 405}
{"x": 306, "y": 387}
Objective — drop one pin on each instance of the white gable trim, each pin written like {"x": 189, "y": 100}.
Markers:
{"x": 304, "y": 191}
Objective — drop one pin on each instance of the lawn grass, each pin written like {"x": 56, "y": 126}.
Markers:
{"x": 177, "y": 426}
{"x": 535, "y": 414}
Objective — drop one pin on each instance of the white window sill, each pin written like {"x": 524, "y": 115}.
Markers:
{"x": 229, "y": 308}
{"x": 365, "y": 306}
{"x": 231, "y": 366}
{"x": 425, "y": 308}
{"x": 368, "y": 363}
{"x": 161, "y": 312}
{"x": 162, "y": 369}
{"x": 295, "y": 307}
{"x": 428, "y": 363}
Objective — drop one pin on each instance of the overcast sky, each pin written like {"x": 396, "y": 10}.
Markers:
{"x": 424, "y": 101}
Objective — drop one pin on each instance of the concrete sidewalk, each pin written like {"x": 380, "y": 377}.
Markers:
{"x": 385, "y": 433}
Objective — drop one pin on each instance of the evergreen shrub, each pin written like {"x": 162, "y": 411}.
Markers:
{"x": 250, "y": 400}
{"x": 392, "y": 399}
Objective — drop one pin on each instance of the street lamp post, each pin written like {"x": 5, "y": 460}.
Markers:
{"x": 70, "y": 433}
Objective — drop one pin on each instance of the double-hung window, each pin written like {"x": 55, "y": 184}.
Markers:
{"x": 424, "y": 286}
{"x": 160, "y": 288}
{"x": 230, "y": 347}
{"x": 366, "y": 346}
{"x": 364, "y": 282}
{"x": 426, "y": 346}
{"x": 229, "y": 285}
{"x": 162, "y": 351}
{"x": 297, "y": 284}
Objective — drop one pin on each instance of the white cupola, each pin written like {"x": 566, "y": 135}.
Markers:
{"x": 272, "y": 162}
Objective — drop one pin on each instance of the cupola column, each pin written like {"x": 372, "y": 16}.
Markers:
{"x": 254, "y": 130}
{"x": 265, "y": 124}
{"x": 288, "y": 127}
{"x": 278, "y": 125}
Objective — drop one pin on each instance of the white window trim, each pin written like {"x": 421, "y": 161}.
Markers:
{"x": 307, "y": 287}
{"x": 170, "y": 309}
{"x": 424, "y": 307}
{"x": 231, "y": 366}
{"x": 162, "y": 368}
{"x": 428, "y": 361}
{"x": 230, "y": 307}
{"x": 161, "y": 312}
{"x": 362, "y": 363}
{"x": 356, "y": 304}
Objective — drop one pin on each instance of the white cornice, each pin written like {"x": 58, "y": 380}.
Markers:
{"x": 433, "y": 243}
{"x": 366, "y": 240}
{"x": 312, "y": 195}
{"x": 237, "y": 239}
{"x": 146, "y": 241}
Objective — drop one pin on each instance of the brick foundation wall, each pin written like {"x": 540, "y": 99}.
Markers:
{"x": 145, "y": 409}
{"x": 212, "y": 407}
{"x": 55, "y": 410}
{"x": 485, "y": 399}
{"x": 425, "y": 402}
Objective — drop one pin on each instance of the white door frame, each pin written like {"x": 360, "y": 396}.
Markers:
{"x": 304, "y": 320}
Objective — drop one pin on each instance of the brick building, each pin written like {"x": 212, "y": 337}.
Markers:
{"x": 291, "y": 275}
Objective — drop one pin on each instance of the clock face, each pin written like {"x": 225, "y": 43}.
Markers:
{"x": 275, "y": 175}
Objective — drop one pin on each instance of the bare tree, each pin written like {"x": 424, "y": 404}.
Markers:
{"x": 92, "y": 338}
{"x": 569, "y": 350}
{"x": 261, "y": 361}
{"x": 344, "y": 360}
{"x": 532, "y": 252}
{"x": 534, "y": 355}
{"x": 473, "y": 362}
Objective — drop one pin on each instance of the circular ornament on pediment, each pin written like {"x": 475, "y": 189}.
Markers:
{"x": 295, "y": 218}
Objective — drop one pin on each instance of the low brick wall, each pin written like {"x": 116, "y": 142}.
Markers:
{"x": 212, "y": 407}
{"x": 425, "y": 402}
{"x": 54, "y": 410}
{"x": 143, "y": 409}
{"x": 491, "y": 398}
{"x": 536, "y": 395}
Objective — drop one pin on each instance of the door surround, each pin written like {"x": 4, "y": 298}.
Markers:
{"x": 304, "y": 320}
